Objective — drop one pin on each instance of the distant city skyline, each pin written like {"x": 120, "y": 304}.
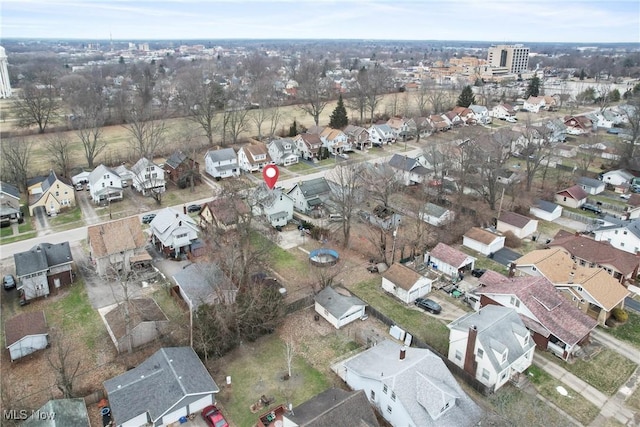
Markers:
{"x": 504, "y": 21}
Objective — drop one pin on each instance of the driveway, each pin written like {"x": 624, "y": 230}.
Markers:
{"x": 89, "y": 214}
{"x": 42, "y": 221}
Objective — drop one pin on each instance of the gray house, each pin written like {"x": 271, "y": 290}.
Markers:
{"x": 408, "y": 170}
{"x": 9, "y": 203}
{"x": 171, "y": 384}
{"x": 283, "y": 151}
{"x": 337, "y": 308}
{"x": 42, "y": 268}
{"x": 590, "y": 185}
{"x": 310, "y": 196}
{"x": 204, "y": 284}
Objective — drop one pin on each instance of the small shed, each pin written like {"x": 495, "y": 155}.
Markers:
{"x": 405, "y": 283}
{"x": 591, "y": 186}
{"x": 436, "y": 215}
{"x": 26, "y": 333}
{"x": 543, "y": 209}
{"x": 448, "y": 260}
{"x": 338, "y": 309}
{"x": 483, "y": 241}
{"x": 520, "y": 225}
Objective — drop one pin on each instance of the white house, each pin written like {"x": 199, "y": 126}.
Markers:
{"x": 275, "y": 205}
{"x": 591, "y": 186}
{"x": 308, "y": 146}
{"x": 408, "y": 170}
{"x": 483, "y": 241}
{"x": 148, "y": 178}
{"x": 172, "y": 232}
{"x": 221, "y": 163}
{"x": 448, "y": 260}
{"x": 502, "y": 111}
{"x": 105, "y": 185}
{"x": 624, "y": 236}
{"x": 410, "y": 386}
{"x": 617, "y": 177}
{"x": 253, "y": 157}
{"x": 573, "y": 197}
{"x": 493, "y": 345}
{"x": 436, "y": 215}
{"x": 545, "y": 210}
{"x": 26, "y": 333}
{"x": 338, "y": 309}
{"x": 283, "y": 151}
{"x": 480, "y": 114}
{"x": 520, "y": 225}
{"x": 405, "y": 283}
{"x": 335, "y": 140}
{"x": 381, "y": 135}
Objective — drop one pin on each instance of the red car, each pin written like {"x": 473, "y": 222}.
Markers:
{"x": 214, "y": 417}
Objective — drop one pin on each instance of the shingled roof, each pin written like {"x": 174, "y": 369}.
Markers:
{"x": 116, "y": 236}
{"x": 449, "y": 255}
{"x": 23, "y": 325}
{"x": 401, "y": 276}
{"x": 514, "y": 219}
{"x": 575, "y": 192}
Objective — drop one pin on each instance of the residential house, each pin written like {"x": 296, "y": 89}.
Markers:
{"x": 508, "y": 177}
{"x": 480, "y": 114}
{"x": 565, "y": 150}
{"x": 403, "y": 128}
{"x": 520, "y": 225}
{"x": 179, "y": 168}
{"x": 578, "y": 125}
{"x": 253, "y": 157}
{"x": 617, "y": 177}
{"x": 410, "y": 386}
{"x": 555, "y": 130}
{"x": 408, "y": 170}
{"x": 493, "y": 345}
{"x": 68, "y": 412}
{"x": 436, "y": 215}
{"x": 556, "y": 325}
{"x": 502, "y": 111}
{"x": 283, "y": 151}
{"x": 81, "y": 178}
{"x": 339, "y": 308}
{"x": 534, "y": 104}
{"x": 465, "y": 114}
{"x": 385, "y": 217}
{"x": 105, "y": 185}
{"x": 449, "y": 261}
{"x": 148, "y": 178}
{"x": 181, "y": 386}
{"x": 134, "y": 322}
{"x": 173, "y": 232}
{"x": 308, "y": 146}
{"x": 623, "y": 235}
{"x": 572, "y": 197}
{"x": 114, "y": 245}
{"x": 454, "y": 118}
{"x": 9, "y": 203}
{"x": 204, "y": 283}
{"x": 590, "y": 185}
{"x": 309, "y": 197}
{"x": 439, "y": 123}
{"x": 26, "y": 333}
{"x": 222, "y": 213}
{"x": 406, "y": 284}
{"x": 424, "y": 128}
{"x": 381, "y": 135}
{"x": 545, "y": 210}
{"x": 358, "y": 137}
{"x": 590, "y": 289}
{"x": 221, "y": 163}
{"x": 600, "y": 120}
{"x": 335, "y": 141}
{"x": 484, "y": 241}
{"x": 42, "y": 269}
{"x": 51, "y": 193}
{"x": 275, "y": 205}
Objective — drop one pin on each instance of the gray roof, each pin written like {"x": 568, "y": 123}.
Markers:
{"x": 9, "y": 190}
{"x": 336, "y": 304}
{"x": 68, "y": 412}
{"x": 42, "y": 257}
{"x": 422, "y": 384}
{"x": 223, "y": 155}
{"x": 201, "y": 283}
{"x": 545, "y": 205}
{"x": 176, "y": 158}
{"x": 98, "y": 172}
{"x": 158, "y": 383}
{"x": 407, "y": 164}
{"x": 478, "y": 109}
{"x": 279, "y": 143}
{"x": 590, "y": 182}
{"x": 498, "y": 328}
{"x": 434, "y": 210}
{"x": 49, "y": 180}
{"x": 335, "y": 407}
{"x": 314, "y": 187}
{"x": 633, "y": 226}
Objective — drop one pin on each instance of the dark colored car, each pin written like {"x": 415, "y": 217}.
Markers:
{"x": 591, "y": 208}
{"x": 428, "y": 305}
{"x": 194, "y": 208}
{"x": 9, "y": 282}
{"x": 214, "y": 417}
{"x": 478, "y": 272}
{"x": 148, "y": 218}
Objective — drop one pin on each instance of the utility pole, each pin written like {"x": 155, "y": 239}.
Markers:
{"x": 501, "y": 199}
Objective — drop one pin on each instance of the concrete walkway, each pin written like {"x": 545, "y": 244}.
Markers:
{"x": 627, "y": 350}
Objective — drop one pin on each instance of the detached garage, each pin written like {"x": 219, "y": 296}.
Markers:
{"x": 405, "y": 283}
{"x": 338, "y": 309}
{"x": 25, "y": 334}
{"x": 483, "y": 241}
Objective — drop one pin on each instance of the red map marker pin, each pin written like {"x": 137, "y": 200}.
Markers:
{"x": 270, "y": 174}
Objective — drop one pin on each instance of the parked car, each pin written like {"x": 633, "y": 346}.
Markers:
{"x": 428, "y": 305}
{"x": 148, "y": 218}
{"x": 625, "y": 196}
{"x": 591, "y": 208}
{"x": 194, "y": 208}
{"x": 214, "y": 417}
{"x": 478, "y": 272}
{"x": 9, "y": 282}
{"x": 344, "y": 156}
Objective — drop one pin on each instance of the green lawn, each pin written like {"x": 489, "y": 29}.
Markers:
{"x": 630, "y": 331}
{"x": 430, "y": 330}
{"x": 301, "y": 168}
{"x": 26, "y": 226}
{"x": 12, "y": 238}
{"x": 573, "y": 404}
{"x": 257, "y": 373}
{"x": 66, "y": 217}
{"x": 281, "y": 259}
{"x": 6, "y": 231}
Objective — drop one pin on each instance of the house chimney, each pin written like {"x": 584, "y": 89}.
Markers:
{"x": 470, "y": 363}
{"x": 512, "y": 269}
{"x": 403, "y": 352}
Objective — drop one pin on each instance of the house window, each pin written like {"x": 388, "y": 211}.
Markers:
{"x": 480, "y": 353}
{"x": 445, "y": 407}
{"x": 621, "y": 244}
{"x": 485, "y": 373}
{"x": 579, "y": 288}
{"x": 615, "y": 232}
{"x": 57, "y": 193}
{"x": 384, "y": 389}
{"x": 389, "y": 410}
{"x": 534, "y": 268}
{"x": 504, "y": 375}
{"x": 393, "y": 396}
{"x": 526, "y": 339}
{"x": 564, "y": 199}
{"x": 504, "y": 357}
{"x": 515, "y": 302}
{"x": 180, "y": 236}
{"x": 458, "y": 355}
{"x": 625, "y": 232}
{"x": 372, "y": 395}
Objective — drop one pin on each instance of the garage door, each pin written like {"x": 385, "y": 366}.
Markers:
{"x": 200, "y": 404}
{"x": 174, "y": 416}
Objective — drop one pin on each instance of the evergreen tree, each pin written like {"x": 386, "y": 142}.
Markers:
{"x": 582, "y": 75}
{"x": 466, "y": 98}
{"x": 339, "y": 117}
{"x": 614, "y": 95}
{"x": 293, "y": 129}
{"x": 534, "y": 87}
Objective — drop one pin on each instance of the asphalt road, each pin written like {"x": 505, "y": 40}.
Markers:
{"x": 632, "y": 304}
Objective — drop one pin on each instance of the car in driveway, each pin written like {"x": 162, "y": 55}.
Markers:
{"x": 9, "y": 282}
{"x": 625, "y": 196}
{"x": 428, "y": 305}
{"x": 591, "y": 208}
{"x": 214, "y": 417}
{"x": 148, "y": 218}
{"x": 478, "y": 272}
{"x": 194, "y": 208}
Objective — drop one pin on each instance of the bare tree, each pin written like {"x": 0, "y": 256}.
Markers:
{"x": 236, "y": 122}
{"x": 268, "y": 106}
{"x": 16, "y": 155}
{"x": 64, "y": 361}
{"x": 346, "y": 192}
{"x": 59, "y": 148}
{"x": 289, "y": 353}
{"x": 357, "y": 99}
{"x": 89, "y": 130}
{"x": 148, "y": 135}
{"x": 535, "y": 152}
{"x": 438, "y": 97}
{"x": 313, "y": 89}
{"x": 632, "y": 114}
{"x": 377, "y": 82}
{"x": 38, "y": 103}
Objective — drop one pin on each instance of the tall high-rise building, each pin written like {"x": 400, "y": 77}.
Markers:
{"x": 5, "y": 84}
{"x": 513, "y": 57}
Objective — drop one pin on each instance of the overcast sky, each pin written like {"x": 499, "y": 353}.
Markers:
{"x": 482, "y": 20}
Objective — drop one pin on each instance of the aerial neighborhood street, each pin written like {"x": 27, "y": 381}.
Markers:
{"x": 282, "y": 233}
